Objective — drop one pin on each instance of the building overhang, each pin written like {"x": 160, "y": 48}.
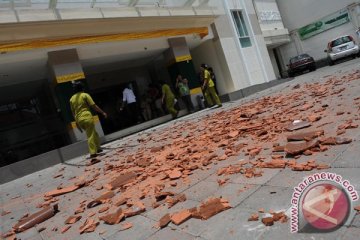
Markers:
{"x": 26, "y": 36}
{"x": 277, "y": 37}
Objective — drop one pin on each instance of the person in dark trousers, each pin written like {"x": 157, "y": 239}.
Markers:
{"x": 129, "y": 100}
{"x": 208, "y": 88}
{"x": 213, "y": 77}
{"x": 80, "y": 104}
{"x": 168, "y": 98}
{"x": 183, "y": 87}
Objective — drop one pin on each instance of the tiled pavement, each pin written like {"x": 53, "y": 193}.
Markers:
{"x": 272, "y": 191}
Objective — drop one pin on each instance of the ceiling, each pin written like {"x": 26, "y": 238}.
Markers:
{"x": 26, "y": 66}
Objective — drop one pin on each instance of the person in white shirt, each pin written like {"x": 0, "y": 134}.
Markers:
{"x": 129, "y": 100}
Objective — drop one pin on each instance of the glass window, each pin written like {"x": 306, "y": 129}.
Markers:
{"x": 241, "y": 28}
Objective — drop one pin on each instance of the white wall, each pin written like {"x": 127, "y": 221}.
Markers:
{"x": 299, "y": 13}
{"x": 206, "y": 53}
{"x": 264, "y": 6}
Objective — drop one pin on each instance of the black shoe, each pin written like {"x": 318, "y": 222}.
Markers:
{"x": 100, "y": 150}
{"x": 93, "y": 155}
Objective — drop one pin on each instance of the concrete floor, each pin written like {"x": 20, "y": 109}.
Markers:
{"x": 272, "y": 191}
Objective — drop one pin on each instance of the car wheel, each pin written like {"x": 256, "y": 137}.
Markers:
{"x": 331, "y": 62}
{"x": 291, "y": 75}
{"x": 313, "y": 69}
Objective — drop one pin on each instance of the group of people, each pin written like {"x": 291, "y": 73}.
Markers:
{"x": 81, "y": 104}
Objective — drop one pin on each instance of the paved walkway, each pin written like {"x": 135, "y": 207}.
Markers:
{"x": 271, "y": 191}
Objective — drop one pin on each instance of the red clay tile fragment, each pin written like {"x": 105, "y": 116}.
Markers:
{"x": 103, "y": 198}
{"x": 58, "y": 192}
{"x": 212, "y": 207}
{"x": 268, "y": 221}
{"x": 296, "y": 125}
{"x": 125, "y": 226}
{"x": 162, "y": 195}
{"x": 253, "y": 217}
{"x": 175, "y": 174}
{"x": 172, "y": 201}
{"x": 36, "y": 218}
{"x": 298, "y": 148}
{"x": 314, "y": 118}
{"x": 180, "y": 217}
{"x": 274, "y": 163}
{"x": 64, "y": 229}
{"x": 164, "y": 221}
{"x": 4, "y": 213}
{"x": 72, "y": 219}
{"x": 121, "y": 181}
{"x": 322, "y": 166}
{"x": 103, "y": 209}
{"x": 278, "y": 149}
{"x": 281, "y": 216}
{"x": 88, "y": 226}
{"x": 93, "y": 161}
{"x": 307, "y": 136}
{"x": 136, "y": 209}
{"x": 113, "y": 218}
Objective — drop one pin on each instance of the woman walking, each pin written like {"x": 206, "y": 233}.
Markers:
{"x": 80, "y": 104}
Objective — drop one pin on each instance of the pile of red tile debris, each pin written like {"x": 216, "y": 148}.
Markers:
{"x": 147, "y": 176}
{"x": 269, "y": 218}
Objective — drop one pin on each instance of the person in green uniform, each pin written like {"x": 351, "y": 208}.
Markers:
{"x": 183, "y": 86}
{"x": 208, "y": 87}
{"x": 80, "y": 104}
{"x": 168, "y": 98}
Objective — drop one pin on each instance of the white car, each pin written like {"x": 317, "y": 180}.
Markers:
{"x": 341, "y": 47}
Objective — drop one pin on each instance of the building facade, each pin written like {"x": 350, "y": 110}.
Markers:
{"x": 312, "y": 24}
{"x": 45, "y": 45}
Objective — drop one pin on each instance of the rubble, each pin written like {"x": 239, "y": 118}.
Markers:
{"x": 267, "y": 221}
{"x": 36, "y": 218}
{"x": 212, "y": 207}
{"x": 121, "y": 181}
{"x": 88, "y": 226}
{"x": 298, "y": 148}
{"x": 254, "y": 217}
{"x": 102, "y": 199}
{"x": 157, "y": 168}
{"x": 164, "y": 221}
{"x": 125, "y": 226}
{"x": 305, "y": 136}
{"x": 72, "y": 219}
{"x": 180, "y": 217}
{"x": 298, "y": 124}
{"x": 113, "y": 218}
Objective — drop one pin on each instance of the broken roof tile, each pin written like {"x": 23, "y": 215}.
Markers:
{"x": 180, "y": 217}
{"x": 113, "y": 218}
{"x": 121, "y": 180}
{"x": 36, "y": 218}
{"x": 212, "y": 207}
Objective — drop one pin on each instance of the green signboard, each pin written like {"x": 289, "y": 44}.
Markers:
{"x": 324, "y": 24}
